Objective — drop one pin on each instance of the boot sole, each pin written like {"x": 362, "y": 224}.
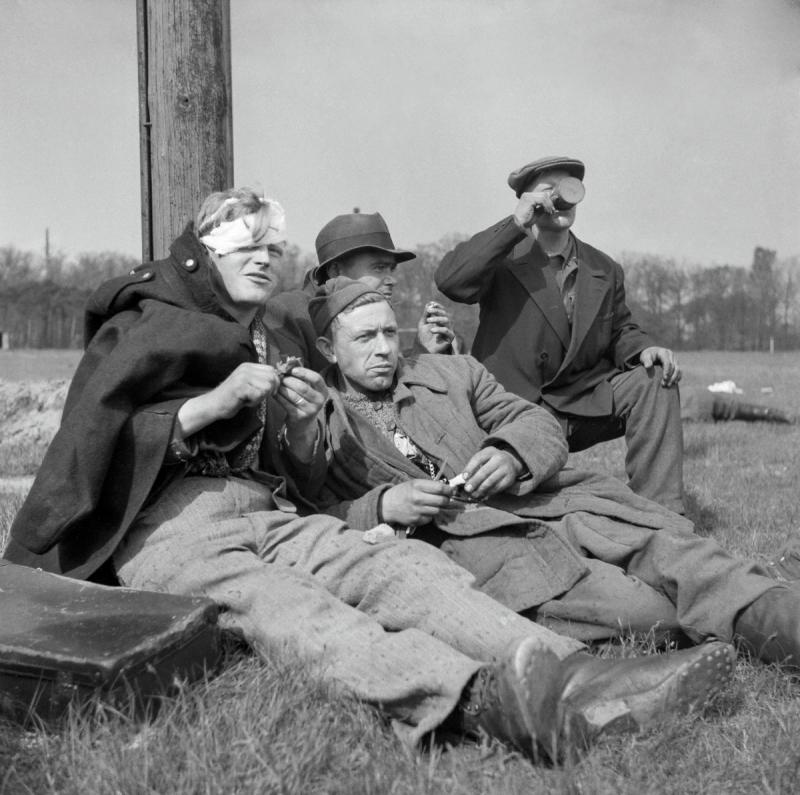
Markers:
{"x": 683, "y": 690}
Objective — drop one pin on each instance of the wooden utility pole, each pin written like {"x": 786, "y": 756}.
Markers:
{"x": 185, "y": 116}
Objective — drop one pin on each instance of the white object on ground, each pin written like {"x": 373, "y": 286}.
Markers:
{"x": 725, "y": 386}
{"x": 381, "y": 532}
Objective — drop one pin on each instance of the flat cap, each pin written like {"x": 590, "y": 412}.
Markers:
{"x": 520, "y": 179}
{"x": 333, "y": 297}
{"x": 353, "y": 232}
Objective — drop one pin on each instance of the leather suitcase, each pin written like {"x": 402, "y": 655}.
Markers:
{"x": 63, "y": 640}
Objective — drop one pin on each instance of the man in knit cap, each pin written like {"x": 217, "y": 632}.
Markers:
{"x": 436, "y": 448}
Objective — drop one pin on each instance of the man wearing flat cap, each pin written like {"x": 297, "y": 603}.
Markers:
{"x": 359, "y": 246}
{"x": 555, "y": 328}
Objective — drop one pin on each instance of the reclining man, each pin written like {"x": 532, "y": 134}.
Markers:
{"x": 186, "y": 458}
{"x": 699, "y": 404}
{"x": 357, "y": 245}
{"x": 555, "y": 329}
{"x": 555, "y": 544}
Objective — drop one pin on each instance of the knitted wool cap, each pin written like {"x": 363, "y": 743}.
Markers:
{"x": 333, "y": 297}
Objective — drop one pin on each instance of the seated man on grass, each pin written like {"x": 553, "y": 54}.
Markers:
{"x": 580, "y": 553}
{"x": 555, "y": 328}
{"x": 186, "y": 461}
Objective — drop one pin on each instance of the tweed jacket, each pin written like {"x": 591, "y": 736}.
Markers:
{"x": 524, "y": 335}
{"x": 154, "y": 338}
{"x": 450, "y": 406}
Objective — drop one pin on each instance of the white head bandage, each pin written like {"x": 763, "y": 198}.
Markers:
{"x": 256, "y": 229}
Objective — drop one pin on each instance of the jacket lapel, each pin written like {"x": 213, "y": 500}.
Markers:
{"x": 591, "y": 286}
{"x": 421, "y": 424}
{"x": 371, "y": 457}
{"x": 530, "y": 267}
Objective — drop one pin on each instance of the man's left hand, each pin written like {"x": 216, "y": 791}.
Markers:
{"x": 302, "y": 393}
{"x": 490, "y": 471}
{"x": 666, "y": 358}
{"x": 435, "y": 329}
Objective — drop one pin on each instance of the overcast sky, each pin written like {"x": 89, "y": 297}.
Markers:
{"x": 687, "y": 113}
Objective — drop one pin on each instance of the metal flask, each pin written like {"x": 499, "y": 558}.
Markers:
{"x": 567, "y": 193}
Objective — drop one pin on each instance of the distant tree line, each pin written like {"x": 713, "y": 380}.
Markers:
{"x": 724, "y": 307}
{"x": 42, "y": 299}
{"x": 683, "y": 306}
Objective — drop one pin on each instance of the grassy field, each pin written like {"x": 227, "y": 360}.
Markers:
{"x": 36, "y": 365}
{"x": 272, "y": 726}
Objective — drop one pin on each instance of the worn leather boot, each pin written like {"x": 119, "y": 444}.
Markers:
{"x": 755, "y": 413}
{"x": 785, "y": 567}
{"x": 515, "y": 701}
{"x": 602, "y": 696}
{"x": 544, "y": 706}
{"x": 769, "y": 628}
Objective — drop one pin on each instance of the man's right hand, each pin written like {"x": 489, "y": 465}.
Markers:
{"x": 435, "y": 329}
{"x": 247, "y": 385}
{"x": 415, "y": 502}
{"x": 527, "y": 206}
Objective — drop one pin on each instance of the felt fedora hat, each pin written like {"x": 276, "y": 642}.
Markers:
{"x": 346, "y": 234}
{"x": 520, "y": 179}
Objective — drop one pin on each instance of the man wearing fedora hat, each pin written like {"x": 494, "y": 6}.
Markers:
{"x": 555, "y": 329}
{"x": 359, "y": 246}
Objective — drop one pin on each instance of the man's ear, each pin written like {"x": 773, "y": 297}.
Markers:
{"x": 325, "y": 347}
{"x": 333, "y": 270}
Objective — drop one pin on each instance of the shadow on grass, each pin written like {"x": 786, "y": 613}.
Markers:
{"x": 704, "y": 517}
{"x": 695, "y": 446}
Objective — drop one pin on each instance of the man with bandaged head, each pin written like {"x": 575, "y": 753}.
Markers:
{"x": 555, "y": 328}
{"x": 185, "y": 463}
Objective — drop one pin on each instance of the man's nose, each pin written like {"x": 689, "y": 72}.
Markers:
{"x": 261, "y": 255}
{"x": 381, "y": 345}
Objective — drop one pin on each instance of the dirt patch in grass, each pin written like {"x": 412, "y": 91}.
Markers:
{"x": 30, "y": 413}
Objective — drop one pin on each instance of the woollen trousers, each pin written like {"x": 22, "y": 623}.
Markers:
{"x": 397, "y": 623}
{"x": 649, "y": 416}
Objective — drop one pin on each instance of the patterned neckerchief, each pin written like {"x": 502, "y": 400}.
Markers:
{"x": 380, "y": 412}
{"x": 213, "y": 463}
{"x": 377, "y": 409}
{"x": 249, "y": 455}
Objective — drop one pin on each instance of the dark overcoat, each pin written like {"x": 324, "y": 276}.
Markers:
{"x": 524, "y": 336}
{"x": 155, "y": 338}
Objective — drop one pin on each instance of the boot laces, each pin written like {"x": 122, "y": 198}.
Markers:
{"x": 480, "y": 694}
